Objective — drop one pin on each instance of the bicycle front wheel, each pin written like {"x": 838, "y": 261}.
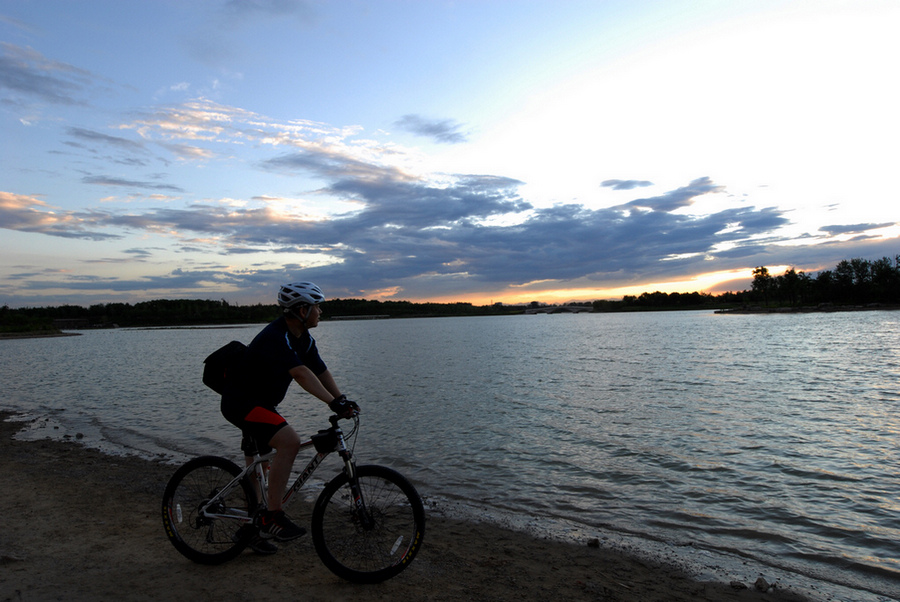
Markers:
{"x": 374, "y": 540}
{"x": 225, "y": 529}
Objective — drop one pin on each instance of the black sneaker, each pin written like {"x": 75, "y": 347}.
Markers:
{"x": 257, "y": 543}
{"x": 262, "y": 546}
{"x": 276, "y": 525}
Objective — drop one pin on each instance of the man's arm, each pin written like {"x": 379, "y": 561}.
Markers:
{"x": 322, "y": 386}
{"x": 327, "y": 381}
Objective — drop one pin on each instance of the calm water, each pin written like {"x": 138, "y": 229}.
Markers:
{"x": 770, "y": 440}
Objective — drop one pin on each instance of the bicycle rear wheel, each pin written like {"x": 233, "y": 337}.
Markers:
{"x": 206, "y": 539}
{"x": 375, "y": 542}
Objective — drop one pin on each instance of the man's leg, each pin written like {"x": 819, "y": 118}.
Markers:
{"x": 258, "y": 544}
{"x": 274, "y": 523}
{"x": 287, "y": 442}
{"x": 249, "y": 446}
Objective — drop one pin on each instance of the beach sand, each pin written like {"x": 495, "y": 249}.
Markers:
{"x": 81, "y": 525}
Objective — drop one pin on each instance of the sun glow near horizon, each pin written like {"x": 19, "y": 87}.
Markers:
{"x": 712, "y": 282}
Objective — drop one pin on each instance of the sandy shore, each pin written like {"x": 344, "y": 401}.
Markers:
{"x": 80, "y": 525}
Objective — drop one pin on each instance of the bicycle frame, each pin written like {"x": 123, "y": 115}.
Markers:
{"x": 324, "y": 447}
{"x": 366, "y": 524}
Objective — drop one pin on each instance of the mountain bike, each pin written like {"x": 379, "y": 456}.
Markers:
{"x": 367, "y": 524}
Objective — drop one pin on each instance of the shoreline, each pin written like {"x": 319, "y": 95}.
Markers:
{"x": 84, "y": 525}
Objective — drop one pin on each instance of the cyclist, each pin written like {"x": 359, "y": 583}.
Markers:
{"x": 284, "y": 351}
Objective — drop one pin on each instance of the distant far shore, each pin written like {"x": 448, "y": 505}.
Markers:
{"x": 743, "y": 310}
{"x": 808, "y": 310}
{"x": 37, "y": 335}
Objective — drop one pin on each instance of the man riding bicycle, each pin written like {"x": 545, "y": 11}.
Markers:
{"x": 284, "y": 351}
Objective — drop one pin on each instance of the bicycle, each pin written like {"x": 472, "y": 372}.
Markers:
{"x": 367, "y": 524}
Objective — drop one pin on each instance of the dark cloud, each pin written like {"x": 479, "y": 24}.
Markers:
{"x": 105, "y": 139}
{"x": 454, "y": 251}
{"x": 332, "y": 166}
{"x": 408, "y": 230}
{"x": 24, "y": 71}
{"x": 177, "y": 279}
{"x": 390, "y": 269}
{"x": 411, "y": 204}
{"x": 469, "y": 234}
{"x": 763, "y": 220}
{"x": 26, "y": 214}
{"x": 625, "y": 184}
{"x": 139, "y": 253}
{"x": 413, "y": 236}
{"x": 237, "y": 11}
{"x": 676, "y": 199}
{"x": 852, "y": 228}
{"x": 110, "y": 181}
{"x": 571, "y": 242}
{"x": 17, "y": 23}
{"x": 214, "y": 43}
{"x": 439, "y": 130}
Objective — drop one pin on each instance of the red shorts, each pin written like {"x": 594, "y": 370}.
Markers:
{"x": 258, "y": 424}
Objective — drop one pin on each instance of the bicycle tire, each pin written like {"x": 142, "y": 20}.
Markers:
{"x": 381, "y": 550}
{"x": 207, "y": 540}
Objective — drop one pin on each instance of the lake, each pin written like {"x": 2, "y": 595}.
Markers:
{"x": 767, "y": 441}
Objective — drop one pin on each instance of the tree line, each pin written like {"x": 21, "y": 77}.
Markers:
{"x": 852, "y": 282}
{"x": 856, "y": 282}
{"x": 195, "y": 312}
{"x": 160, "y": 312}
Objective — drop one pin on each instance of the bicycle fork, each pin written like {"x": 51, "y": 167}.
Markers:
{"x": 359, "y": 503}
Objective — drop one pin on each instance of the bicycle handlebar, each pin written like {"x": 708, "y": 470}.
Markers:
{"x": 333, "y": 419}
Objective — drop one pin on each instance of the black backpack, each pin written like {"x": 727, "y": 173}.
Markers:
{"x": 220, "y": 362}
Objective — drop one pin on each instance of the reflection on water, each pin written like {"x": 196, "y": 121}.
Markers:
{"x": 771, "y": 437}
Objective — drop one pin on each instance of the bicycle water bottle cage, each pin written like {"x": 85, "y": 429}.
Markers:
{"x": 325, "y": 441}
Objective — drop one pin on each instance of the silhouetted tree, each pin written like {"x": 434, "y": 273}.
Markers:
{"x": 762, "y": 283}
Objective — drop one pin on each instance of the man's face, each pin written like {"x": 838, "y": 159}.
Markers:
{"x": 311, "y": 313}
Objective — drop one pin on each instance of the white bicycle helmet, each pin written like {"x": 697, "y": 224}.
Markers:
{"x": 299, "y": 293}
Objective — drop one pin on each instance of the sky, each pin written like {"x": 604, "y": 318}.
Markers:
{"x": 484, "y": 151}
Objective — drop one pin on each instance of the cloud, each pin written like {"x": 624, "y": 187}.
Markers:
{"x": 242, "y": 286}
{"x": 203, "y": 120}
{"x": 397, "y": 241}
{"x": 853, "y": 228}
{"x": 418, "y": 205}
{"x": 570, "y": 242}
{"x": 27, "y": 214}
{"x": 414, "y": 233}
{"x": 418, "y": 235}
{"x": 98, "y": 137}
{"x": 440, "y": 130}
{"x": 423, "y": 240}
{"x": 17, "y": 23}
{"x": 238, "y": 11}
{"x": 332, "y": 163}
{"x": 625, "y": 184}
{"x": 215, "y": 42}
{"x": 24, "y": 71}
{"x": 111, "y": 181}
{"x": 189, "y": 152}
{"x": 174, "y": 280}
{"x": 676, "y": 199}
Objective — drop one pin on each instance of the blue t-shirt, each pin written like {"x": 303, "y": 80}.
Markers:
{"x": 274, "y": 352}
